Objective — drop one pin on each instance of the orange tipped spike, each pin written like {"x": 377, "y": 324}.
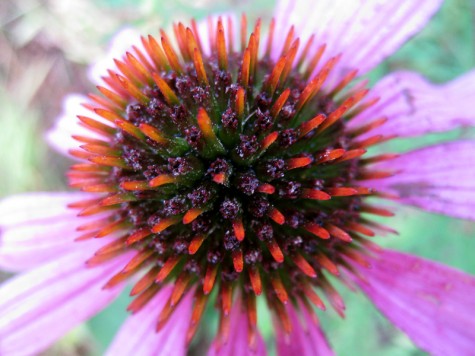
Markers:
{"x": 137, "y": 260}
{"x": 274, "y": 77}
{"x": 376, "y": 210}
{"x": 245, "y": 68}
{"x": 314, "y": 298}
{"x": 113, "y": 246}
{"x": 343, "y": 108}
{"x": 342, "y": 191}
{"x": 167, "y": 268}
{"x": 379, "y": 158}
{"x": 161, "y": 180}
{"x": 326, "y": 263}
{"x": 205, "y": 124}
{"x": 153, "y": 133}
{"x": 179, "y": 288}
{"x": 290, "y": 61}
{"x": 97, "y": 126}
{"x": 138, "y": 235}
{"x": 275, "y": 250}
{"x": 209, "y": 279}
{"x": 200, "y": 68}
{"x": 135, "y": 185}
{"x": 198, "y": 307}
{"x": 255, "y": 279}
{"x": 304, "y": 266}
{"x": 314, "y": 61}
{"x": 238, "y": 260}
{"x": 338, "y": 233}
{"x": 118, "y": 199}
{"x": 352, "y": 154}
{"x": 132, "y": 89}
{"x": 130, "y": 129}
{"x": 221, "y": 47}
{"x": 113, "y": 227}
{"x": 276, "y": 215}
{"x": 344, "y": 82}
{"x": 279, "y": 288}
{"x": 315, "y": 194}
{"x": 253, "y": 48}
{"x": 171, "y": 54}
{"x": 329, "y": 155}
{"x": 317, "y": 230}
{"x": 304, "y": 54}
{"x": 239, "y": 230}
{"x": 195, "y": 244}
{"x": 110, "y": 161}
{"x": 269, "y": 140}
{"x": 240, "y": 95}
{"x": 266, "y": 188}
{"x": 270, "y": 38}
{"x": 118, "y": 278}
{"x": 165, "y": 89}
{"x": 316, "y": 83}
{"x": 279, "y": 103}
{"x": 156, "y": 53}
{"x": 192, "y": 214}
{"x": 226, "y": 297}
{"x": 101, "y": 150}
{"x": 146, "y": 281}
{"x": 140, "y": 70}
{"x": 299, "y": 162}
{"x": 164, "y": 223}
{"x": 113, "y": 96}
{"x": 243, "y": 32}
{"x": 142, "y": 300}
{"x": 309, "y": 125}
{"x": 353, "y": 226}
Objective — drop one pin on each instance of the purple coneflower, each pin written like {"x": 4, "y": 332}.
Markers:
{"x": 232, "y": 167}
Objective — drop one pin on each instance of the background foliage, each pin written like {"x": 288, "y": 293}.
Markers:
{"x": 45, "y": 49}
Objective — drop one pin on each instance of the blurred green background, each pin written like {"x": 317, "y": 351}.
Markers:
{"x": 45, "y": 49}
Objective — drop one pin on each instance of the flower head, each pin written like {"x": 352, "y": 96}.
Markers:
{"x": 228, "y": 170}
{"x": 240, "y": 167}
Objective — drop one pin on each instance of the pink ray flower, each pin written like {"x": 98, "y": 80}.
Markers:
{"x": 236, "y": 162}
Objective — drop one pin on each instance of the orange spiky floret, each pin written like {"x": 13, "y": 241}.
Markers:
{"x": 229, "y": 171}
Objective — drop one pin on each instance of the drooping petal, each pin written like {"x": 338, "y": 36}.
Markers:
{"x": 439, "y": 178}
{"x": 413, "y": 106}
{"x": 306, "y": 338}
{"x": 432, "y": 303}
{"x": 35, "y": 227}
{"x": 238, "y": 342}
{"x": 67, "y": 125}
{"x": 137, "y": 336}
{"x": 40, "y": 306}
{"x": 365, "y": 32}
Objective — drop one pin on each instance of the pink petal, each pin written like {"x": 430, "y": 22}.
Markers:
{"x": 238, "y": 342}
{"x": 366, "y": 32}
{"x": 122, "y": 42}
{"x": 35, "y": 227}
{"x": 432, "y": 303}
{"x": 414, "y": 106}
{"x": 40, "y": 306}
{"x": 67, "y": 124}
{"x": 306, "y": 338}
{"x": 439, "y": 178}
{"x": 137, "y": 336}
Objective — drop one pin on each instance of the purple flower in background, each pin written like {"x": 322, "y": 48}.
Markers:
{"x": 232, "y": 166}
